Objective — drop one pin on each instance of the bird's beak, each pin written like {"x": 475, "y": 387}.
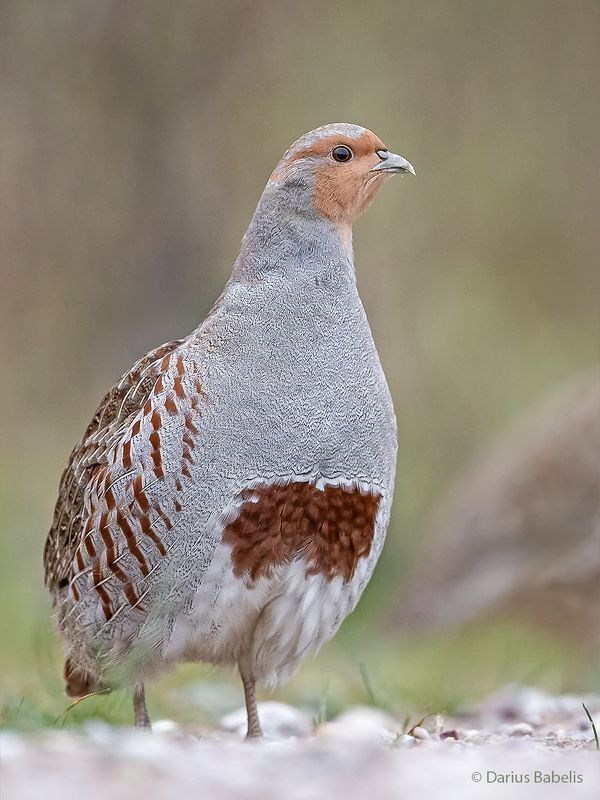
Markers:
{"x": 392, "y": 163}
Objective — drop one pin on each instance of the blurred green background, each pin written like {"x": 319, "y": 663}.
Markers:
{"x": 136, "y": 139}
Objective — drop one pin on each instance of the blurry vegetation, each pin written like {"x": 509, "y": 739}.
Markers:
{"x": 136, "y": 139}
{"x": 518, "y": 534}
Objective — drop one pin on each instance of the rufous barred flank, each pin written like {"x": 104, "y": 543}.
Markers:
{"x": 230, "y": 498}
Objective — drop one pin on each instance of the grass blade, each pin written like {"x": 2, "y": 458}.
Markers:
{"x": 367, "y": 684}
{"x": 593, "y": 724}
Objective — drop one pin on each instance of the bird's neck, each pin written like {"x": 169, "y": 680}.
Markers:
{"x": 287, "y": 235}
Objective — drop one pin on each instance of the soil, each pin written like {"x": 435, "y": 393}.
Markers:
{"x": 521, "y": 742}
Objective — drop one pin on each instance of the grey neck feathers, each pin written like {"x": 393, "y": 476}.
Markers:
{"x": 288, "y": 236}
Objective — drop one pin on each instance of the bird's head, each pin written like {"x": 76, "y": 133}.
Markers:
{"x": 337, "y": 169}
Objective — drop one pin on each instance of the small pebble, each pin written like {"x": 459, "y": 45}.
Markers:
{"x": 164, "y": 726}
{"x": 519, "y": 729}
{"x": 420, "y": 733}
{"x": 404, "y": 740}
{"x": 453, "y": 735}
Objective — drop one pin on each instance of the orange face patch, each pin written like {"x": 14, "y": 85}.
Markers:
{"x": 342, "y": 191}
{"x": 365, "y": 145}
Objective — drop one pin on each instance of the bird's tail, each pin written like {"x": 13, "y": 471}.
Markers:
{"x": 79, "y": 681}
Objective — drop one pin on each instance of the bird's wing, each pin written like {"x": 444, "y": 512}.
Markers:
{"x": 114, "y": 415}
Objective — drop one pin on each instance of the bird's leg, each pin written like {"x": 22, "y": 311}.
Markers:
{"x": 254, "y": 729}
{"x": 142, "y": 720}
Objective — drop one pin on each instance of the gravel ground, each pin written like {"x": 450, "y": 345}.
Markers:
{"x": 520, "y": 743}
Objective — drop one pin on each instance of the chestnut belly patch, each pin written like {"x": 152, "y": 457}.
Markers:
{"x": 331, "y": 528}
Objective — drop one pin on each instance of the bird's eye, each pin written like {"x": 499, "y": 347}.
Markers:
{"x": 341, "y": 153}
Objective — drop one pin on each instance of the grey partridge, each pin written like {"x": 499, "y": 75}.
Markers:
{"x": 230, "y": 498}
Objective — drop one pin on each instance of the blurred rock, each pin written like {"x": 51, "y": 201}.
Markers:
{"x": 278, "y": 721}
{"x": 519, "y": 729}
{"x": 528, "y": 704}
{"x": 361, "y": 724}
{"x": 514, "y": 702}
{"x": 165, "y": 726}
{"x": 520, "y": 532}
